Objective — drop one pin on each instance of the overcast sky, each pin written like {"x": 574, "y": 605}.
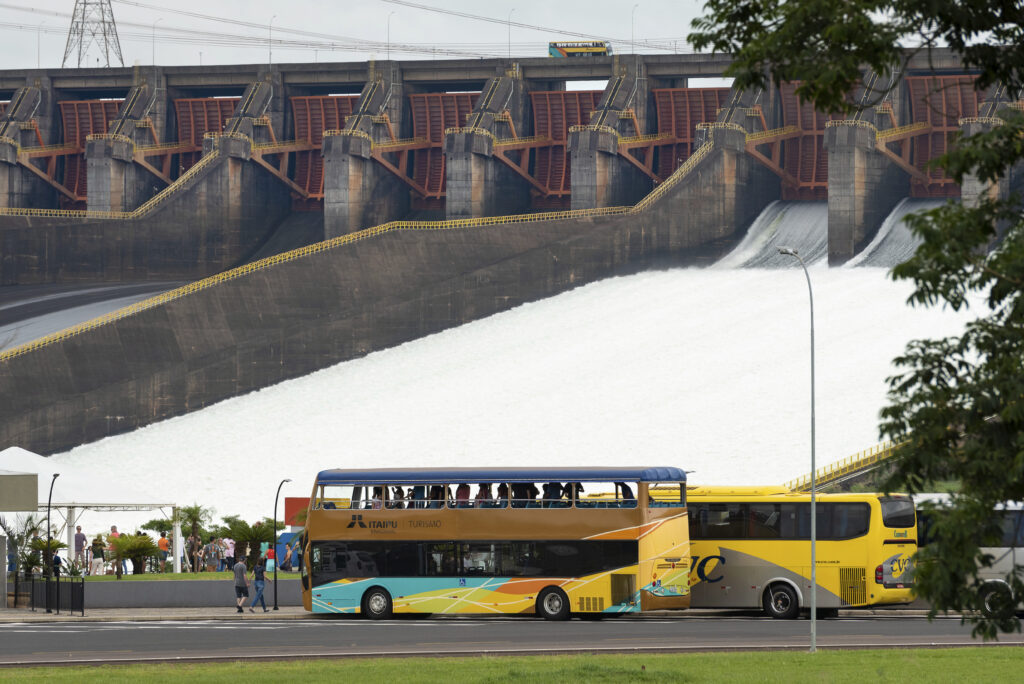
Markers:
{"x": 233, "y": 32}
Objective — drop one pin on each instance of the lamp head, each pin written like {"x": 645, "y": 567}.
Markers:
{"x": 56, "y": 475}
{"x": 788, "y": 251}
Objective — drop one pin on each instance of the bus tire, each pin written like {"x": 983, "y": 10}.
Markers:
{"x": 780, "y": 602}
{"x": 997, "y": 600}
{"x": 553, "y": 604}
{"x": 376, "y": 604}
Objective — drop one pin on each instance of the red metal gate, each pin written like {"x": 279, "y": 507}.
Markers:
{"x": 82, "y": 118}
{"x": 432, "y": 113}
{"x": 679, "y": 111}
{"x": 313, "y": 115}
{"x": 940, "y": 101}
{"x": 553, "y": 113}
{"x": 197, "y": 116}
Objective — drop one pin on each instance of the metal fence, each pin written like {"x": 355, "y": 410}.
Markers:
{"x": 53, "y": 593}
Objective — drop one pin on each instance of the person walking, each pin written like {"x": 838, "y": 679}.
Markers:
{"x": 259, "y": 580}
{"x": 241, "y": 584}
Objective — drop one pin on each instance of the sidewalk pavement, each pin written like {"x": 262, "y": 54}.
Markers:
{"x": 19, "y": 615}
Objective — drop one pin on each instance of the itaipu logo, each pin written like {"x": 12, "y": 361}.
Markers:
{"x": 372, "y": 524}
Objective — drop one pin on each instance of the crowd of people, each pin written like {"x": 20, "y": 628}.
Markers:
{"x": 98, "y": 555}
{"x": 516, "y": 495}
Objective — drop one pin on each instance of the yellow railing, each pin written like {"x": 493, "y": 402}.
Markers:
{"x": 113, "y": 137}
{"x": 401, "y": 142}
{"x": 393, "y": 226}
{"x": 471, "y": 130}
{"x": 59, "y": 147}
{"x": 266, "y": 147}
{"x": 63, "y": 213}
{"x": 993, "y": 121}
{"x": 901, "y": 130}
{"x": 710, "y": 125}
{"x": 650, "y": 137}
{"x": 771, "y": 133}
{"x": 676, "y": 176}
{"x": 217, "y": 135}
{"x": 600, "y": 128}
{"x": 530, "y": 140}
{"x": 156, "y": 147}
{"x": 865, "y": 460}
{"x": 352, "y": 133}
{"x": 856, "y": 123}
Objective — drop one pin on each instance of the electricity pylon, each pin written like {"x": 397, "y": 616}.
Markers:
{"x": 92, "y": 24}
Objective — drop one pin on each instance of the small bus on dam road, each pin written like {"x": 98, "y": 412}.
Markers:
{"x": 750, "y": 548}
{"x": 496, "y": 541}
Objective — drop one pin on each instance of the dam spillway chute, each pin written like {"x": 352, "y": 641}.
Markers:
{"x": 894, "y": 243}
{"x": 800, "y": 225}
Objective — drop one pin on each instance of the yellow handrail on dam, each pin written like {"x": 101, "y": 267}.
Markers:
{"x": 851, "y": 465}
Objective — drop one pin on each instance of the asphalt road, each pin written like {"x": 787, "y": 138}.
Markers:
{"x": 97, "y": 642}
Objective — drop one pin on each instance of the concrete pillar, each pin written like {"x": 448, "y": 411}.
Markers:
{"x": 592, "y": 155}
{"x": 347, "y": 169}
{"x": 863, "y": 187}
{"x": 973, "y": 188}
{"x": 476, "y": 183}
{"x": 107, "y": 161}
{"x": 12, "y": 190}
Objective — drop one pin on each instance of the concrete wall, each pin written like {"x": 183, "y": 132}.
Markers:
{"x": 185, "y": 593}
{"x": 291, "y": 319}
{"x": 226, "y": 213}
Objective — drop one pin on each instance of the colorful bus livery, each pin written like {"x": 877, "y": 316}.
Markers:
{"x": 379, "y": 542}
{"x": 751, "y": 549}
{"x": 594, "y": 48}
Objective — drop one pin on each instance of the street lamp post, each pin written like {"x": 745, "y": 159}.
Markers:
{"x": 814, "y": 520}
{"x": 274, "y": 542}
{"x": 154, "y": 39}
{"x": 39, "y": 40}
{"x": 509, "y": 22}
{"x": 48, "y": 556}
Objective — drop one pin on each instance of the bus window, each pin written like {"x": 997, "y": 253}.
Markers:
{"x": 329, "y": 497}
{"x": 441, "y": 559}
{"x": 436, "y": 496}
{"x": 897, "y": 511}
{"x": 1013, "y": 528}
{"x": 524, "y": 495}
{"x": 765, "y": 521}
{"x": 555, "y": 495}
{"x": 666, "y": 495}
{"x": 835, "y": 520}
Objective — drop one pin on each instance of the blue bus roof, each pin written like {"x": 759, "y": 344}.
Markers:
{"x": 494, "y": 475}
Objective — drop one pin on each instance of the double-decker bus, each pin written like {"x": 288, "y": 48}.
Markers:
{"x": 750, "y": 548}
{"x": 496, "y": 541}
{"x": 1006, "y": 551}
{"x": 592, "y": 48}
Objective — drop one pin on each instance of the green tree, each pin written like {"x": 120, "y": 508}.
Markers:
{"x": 19, "y": 535}
{"x": 247, "y": 537}
{"x": 194, "y": 518}
{"x": 159, "y": 525}
{"x": 957, "y": 404}
{"x": 134, "y": 547}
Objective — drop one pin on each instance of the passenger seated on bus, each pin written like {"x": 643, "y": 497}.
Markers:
{"x": 484, "y": 498}
{"x": 436, "y": 499}
{"x": 573, "y": 490}
{"x": 377, "y": 500}
{"x": 502, "y": 501}
{"x": 329, "y": 505}
{"x": 398, "y": 500}
{"x": 462, "y": 496}
{"x": 417, "y": 496}
{"x": 519, "y": 495}
{"x": 627, "y": 499}
{"x": 552, "y": 495}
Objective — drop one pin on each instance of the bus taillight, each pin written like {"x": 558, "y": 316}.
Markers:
{"x": 878, "y": 575}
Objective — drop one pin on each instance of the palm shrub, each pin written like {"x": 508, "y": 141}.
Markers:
{"x": 247, "y": 537}
{"x": 134, "y": 547}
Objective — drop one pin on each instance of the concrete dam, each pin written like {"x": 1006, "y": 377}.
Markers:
{"x": 319, "y": 212}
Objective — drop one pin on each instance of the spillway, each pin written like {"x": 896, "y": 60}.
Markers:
{"x": 894, "y": 243}
{"x": 702, "y": 368}
{"x": 802, "y": 226}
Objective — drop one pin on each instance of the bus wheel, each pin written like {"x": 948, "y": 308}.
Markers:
{"x": 996, "y": 600}
{"x": 553, "y": 604}
{"x": 780, "y": 602}
{"x": 377, "y": 604}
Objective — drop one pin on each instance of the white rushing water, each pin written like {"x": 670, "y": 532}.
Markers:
{"x": 707, "y": 369}
{"x": 802, "y": 226}
{"x": 894, "y": 243}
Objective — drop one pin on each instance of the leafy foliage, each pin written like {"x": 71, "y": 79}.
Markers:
{"x": 247, "y": 537}
{"x": 19, "y": 535}
{"x": 956, "y": 404}
{"x": 134, "y": 547}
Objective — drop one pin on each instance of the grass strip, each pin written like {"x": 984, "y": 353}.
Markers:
{"x": 984, "y": 664}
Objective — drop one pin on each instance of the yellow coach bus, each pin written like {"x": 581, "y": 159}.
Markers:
{"x": 750, "y": 548}
{"x": 593, "y": 48}
{"x": 495, "y": 541}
